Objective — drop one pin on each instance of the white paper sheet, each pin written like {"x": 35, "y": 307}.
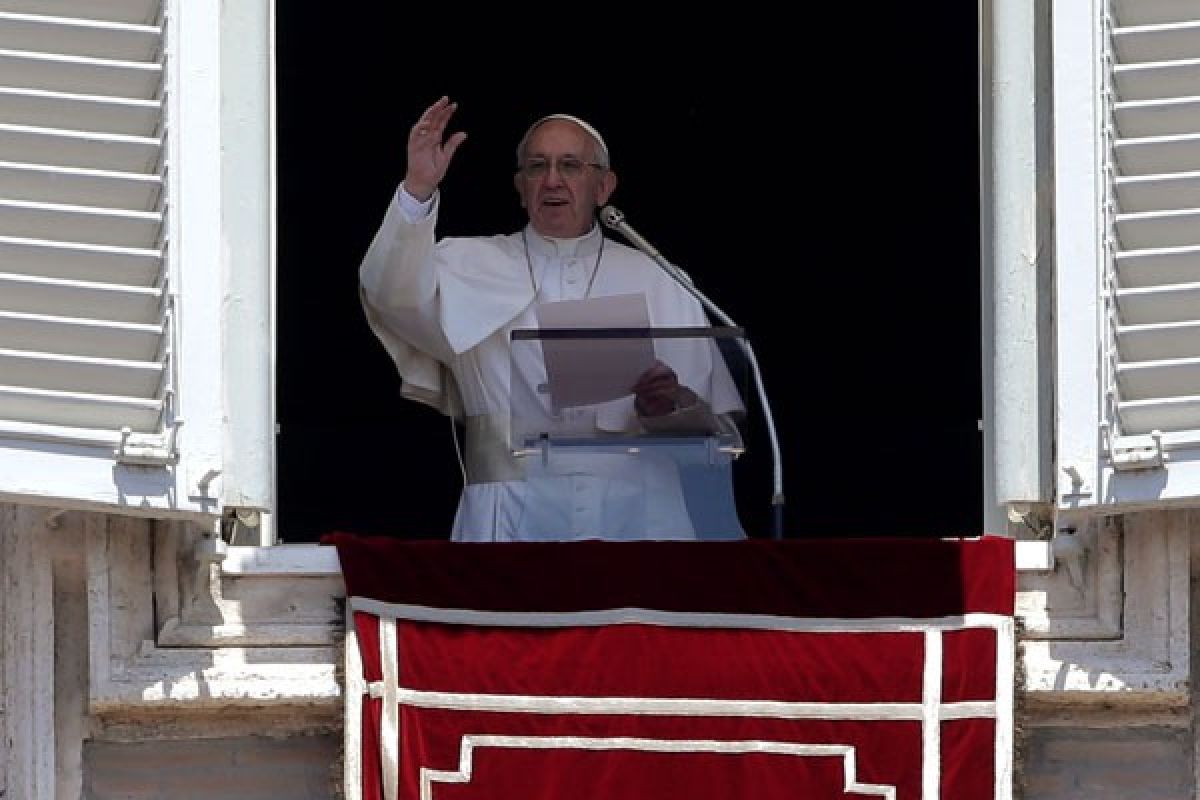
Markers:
{"x": 586, "y": 371}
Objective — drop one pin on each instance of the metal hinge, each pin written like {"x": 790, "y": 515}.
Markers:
{"x": 148, "y": 451}
{"x": 1127, "y": 453}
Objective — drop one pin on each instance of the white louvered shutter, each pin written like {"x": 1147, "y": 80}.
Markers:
{"x": 1146, "y": 287}
{"x": 101, "y": 120}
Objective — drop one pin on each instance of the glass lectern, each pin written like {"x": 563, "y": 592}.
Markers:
{"x": 593, "y": 466}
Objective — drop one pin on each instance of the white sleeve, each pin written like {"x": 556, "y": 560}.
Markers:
{"x": 397, "y": 271}
{"x": 414, "y": 210}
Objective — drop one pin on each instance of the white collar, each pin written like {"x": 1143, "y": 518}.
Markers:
{"x": 577, "y": 247}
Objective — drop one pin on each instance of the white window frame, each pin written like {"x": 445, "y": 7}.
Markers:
{"x": 220, "y": 262}
{"x": 1085, "y": 474}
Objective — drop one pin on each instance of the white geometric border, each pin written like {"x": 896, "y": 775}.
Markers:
{"x": 931, "y": 711}
{"x": 472, "y": 741}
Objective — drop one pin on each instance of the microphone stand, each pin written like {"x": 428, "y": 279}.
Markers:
{"x": 615, "y": 220}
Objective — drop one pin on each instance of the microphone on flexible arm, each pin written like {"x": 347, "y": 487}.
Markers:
{"x": 615, "y": 219}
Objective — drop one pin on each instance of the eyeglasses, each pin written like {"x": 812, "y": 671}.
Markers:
{"x": 568, "y": 167}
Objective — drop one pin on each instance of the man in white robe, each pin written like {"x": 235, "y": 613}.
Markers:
{"x": 445, "y": 311}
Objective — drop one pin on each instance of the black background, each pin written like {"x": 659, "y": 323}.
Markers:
{"x": 818, "y": 178}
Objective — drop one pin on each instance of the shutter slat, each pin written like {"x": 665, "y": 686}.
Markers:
{"x": 37, "y": 108}
{"x": 1142, "y": 230}
{"x": 69, "y": 408}
{"x": 80, "y": 337}
{"x": 1157, "y": 80}
{"x": 1159, "y": 192}
{"x": 128, "y": 11}
{"x": 1145, "y": 118}
{"x": 1171, "y": 340}
{"x": 1170, "y": 41}
{"x": 1159, "y": 304}
{"x": 1159, "y": 155}
{"x": 75, "y": 374}
{"x": 79, "y": 75}
{"x": 1155, "y": 167}
{"x": 83, "y": 317}
{"x": 104, "y": 151}
{"x": 79, "y": 187}
{"x": 1160, "y": 414}
{"x": 83, "y": 262}
{"x": 1160, "y": 379}
{"x": 1158, "y": 266}
{"x": 79, "y": 300}
{"x": 1153, "y": 12}
{"x": 90, "y": 38}
{"x": 79, "y": 224}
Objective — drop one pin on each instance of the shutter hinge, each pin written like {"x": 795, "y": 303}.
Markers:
{"x": 156, "y": 451}
{"x": 1127, "y": 454}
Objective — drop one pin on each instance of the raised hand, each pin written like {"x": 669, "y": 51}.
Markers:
{"x": 428, "y": 155}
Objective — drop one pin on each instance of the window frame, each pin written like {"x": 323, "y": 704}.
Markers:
{"x": 1088, "y": 476}
{"x": 220, "y": 264}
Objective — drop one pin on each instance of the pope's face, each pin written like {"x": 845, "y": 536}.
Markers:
{"x": 560, "y": 185}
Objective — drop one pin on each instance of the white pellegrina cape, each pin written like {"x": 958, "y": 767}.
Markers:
{"x": 444, "y": 311}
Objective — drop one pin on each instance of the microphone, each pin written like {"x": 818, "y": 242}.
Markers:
{"x": 615, "y": 219}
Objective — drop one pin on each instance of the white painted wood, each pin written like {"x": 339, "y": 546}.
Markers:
{"x": 1158, "y": 12}
{"x": 1160, "y": 379}
{"x": 77, "y": 37}
{"x": 84, "y": 342}
{"x": 1165, "y": 266}
{"x": 136, "y": 215}
{"x": 1154, "y": 67}
{"x": 78, "y": 149}
{"x": 72, "y": 111}
{"x": 1170, "y": 41}
{"x": 94, "y": 188}
{"x": 81, "y": 475}
{"x": 1158, "y": 229}
{"x": 128, "y": 11}
{"x": 81, "y": 224}
{"x": 64, "y": 408}
{"x": 1148, "y": 305}
{"x": 70, "y": 261}
{"x": 79, "y": 336}
{"x": 79, "y": 299}
{"x": 1078, "y": 252}
{"x": 1168, "y": 340}
{"x": 1127, "y": 132}
{"x": 1017, "y": 427}
{"x": 248, "y": 222}
{"x": 94, "y": 376}
{"x": 1175, "y": 78}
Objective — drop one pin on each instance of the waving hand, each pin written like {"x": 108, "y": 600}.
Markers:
{"x": 428, "y": 154}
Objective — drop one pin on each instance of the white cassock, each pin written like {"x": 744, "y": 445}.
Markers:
{"x": 444, "y": 311}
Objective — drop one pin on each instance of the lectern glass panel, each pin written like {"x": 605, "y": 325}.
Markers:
{"x": 596, "y": 464}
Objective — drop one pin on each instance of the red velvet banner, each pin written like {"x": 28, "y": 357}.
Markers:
{"x": 805, "y": 668}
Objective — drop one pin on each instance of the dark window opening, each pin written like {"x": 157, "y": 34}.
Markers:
{"x": 832, "y": 212}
